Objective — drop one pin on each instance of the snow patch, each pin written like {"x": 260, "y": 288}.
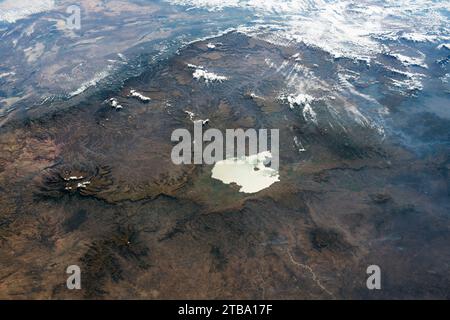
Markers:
{"x": 192, "y": 117}
{"x": 208, "y": 77}
{"x": 86, "y": 85}
{"x": 13, "y": 10}
{"x": 134, "y": 93}
{"x": 115, "y": 104}
{"x": 303, "y": 100}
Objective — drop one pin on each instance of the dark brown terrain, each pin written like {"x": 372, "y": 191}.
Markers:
{"x": 141, "y": 227}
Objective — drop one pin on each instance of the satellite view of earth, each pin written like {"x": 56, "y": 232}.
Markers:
{"x": 92, "y": 90}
